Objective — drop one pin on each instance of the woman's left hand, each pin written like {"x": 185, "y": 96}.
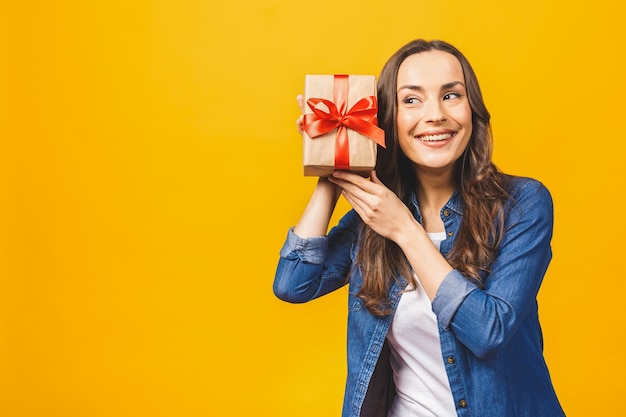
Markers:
{"x": 377, "y": 205}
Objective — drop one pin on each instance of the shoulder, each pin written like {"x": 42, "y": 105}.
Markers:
{"x": 525, "y": 188}
{"x": 528, "y": 196}
{"x": 349, "y": 225}
{"x": 516, "y": 184}
{"x": 351, "y": 220}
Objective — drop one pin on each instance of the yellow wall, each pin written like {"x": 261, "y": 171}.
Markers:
{"x": 150, "y": 168}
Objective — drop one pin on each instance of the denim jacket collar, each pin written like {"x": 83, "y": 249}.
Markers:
{"x": 454, "y": 204}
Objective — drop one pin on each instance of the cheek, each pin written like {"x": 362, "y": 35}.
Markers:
{"x": 404, "y": 120}
{"x": 464, "y": 116}
{"x": 404, "y": 126}
{"x": 468, "y": 130}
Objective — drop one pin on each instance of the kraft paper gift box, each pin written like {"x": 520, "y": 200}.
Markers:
{"x": 340, "y": 128}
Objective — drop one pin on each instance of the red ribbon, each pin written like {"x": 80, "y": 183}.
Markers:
{"x": 361, "y": 118}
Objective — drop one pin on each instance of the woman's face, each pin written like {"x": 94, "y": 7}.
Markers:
{"x": 434, "y": 120}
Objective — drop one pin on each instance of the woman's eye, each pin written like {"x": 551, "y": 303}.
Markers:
{"x": 411, "y": 100}
{"x": 450, "y": 96}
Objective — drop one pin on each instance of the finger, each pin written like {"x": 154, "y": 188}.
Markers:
{"x": 374, "y": 178}
{"x": 358, "y": 181}
{"x": 300, "y": 121}
{"x": 349, "y": 177}
{"x": 355, "y": 195}
{"x": 342, "y": 182}
{"x": 363, "y": 209}
{"x": 357, "y": 204}
{"x": 300, "y": 124}
{"x": 353, "y": 189}
{"x": 300, "y": 101}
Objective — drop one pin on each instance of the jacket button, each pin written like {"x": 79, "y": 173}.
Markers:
{"x": 446, "y": 212}
{"x": 462, "y": 403}
{"x": 450, "y": 234}
{"x": 451, "y": 360}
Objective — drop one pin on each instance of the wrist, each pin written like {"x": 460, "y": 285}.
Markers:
{"x": 327, "y": 187}
{"x": 410, "y": 234}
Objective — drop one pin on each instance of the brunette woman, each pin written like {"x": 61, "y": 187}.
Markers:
{"x": 443, "y": 254}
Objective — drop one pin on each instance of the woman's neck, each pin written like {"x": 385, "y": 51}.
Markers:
{"x": 433, "y": 192}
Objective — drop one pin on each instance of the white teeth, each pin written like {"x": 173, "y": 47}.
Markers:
{"x": 435, "y": 138}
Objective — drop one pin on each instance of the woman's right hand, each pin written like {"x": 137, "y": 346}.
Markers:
{"x": 316, "y": 216}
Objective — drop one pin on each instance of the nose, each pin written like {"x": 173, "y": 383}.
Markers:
{"x": 435, "y": 112}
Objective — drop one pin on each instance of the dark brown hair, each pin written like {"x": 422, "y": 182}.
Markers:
{"x": 481, "y": 187}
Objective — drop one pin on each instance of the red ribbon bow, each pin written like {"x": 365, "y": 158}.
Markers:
{"x": 361, "y": 118}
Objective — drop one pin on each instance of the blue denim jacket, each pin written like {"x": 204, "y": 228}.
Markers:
{"x": 490, "y": 337}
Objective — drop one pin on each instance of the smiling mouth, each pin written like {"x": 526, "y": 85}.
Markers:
{"x": 436, "y": 138}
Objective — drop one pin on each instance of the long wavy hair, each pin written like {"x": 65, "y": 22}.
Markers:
{"x": 481, "y": 186}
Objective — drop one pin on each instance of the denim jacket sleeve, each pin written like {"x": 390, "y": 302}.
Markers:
{"x": 484, "y": 319}
{"x": 310, "y": 268}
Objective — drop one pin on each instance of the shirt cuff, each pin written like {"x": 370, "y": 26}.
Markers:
{"x": 310, "y": 250}
{"x": 451, "y": 293}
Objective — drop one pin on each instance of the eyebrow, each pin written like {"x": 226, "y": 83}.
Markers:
{"x": 445, "y": 86}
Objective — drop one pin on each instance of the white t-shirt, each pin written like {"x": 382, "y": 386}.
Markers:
{"x": 422, "y": 385}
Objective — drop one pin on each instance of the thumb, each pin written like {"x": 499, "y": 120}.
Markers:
{"x": 375, "y": 178}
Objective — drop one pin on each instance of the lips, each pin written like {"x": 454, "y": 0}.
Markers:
{"x": 435, "y": 136}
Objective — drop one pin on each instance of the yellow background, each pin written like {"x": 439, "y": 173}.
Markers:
{"x": 150, "y": 168}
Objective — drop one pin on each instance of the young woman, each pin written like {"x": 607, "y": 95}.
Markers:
{"x": 443, "y": 254}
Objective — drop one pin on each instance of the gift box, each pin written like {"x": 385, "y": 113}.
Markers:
{"x": 340, "y": 128}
